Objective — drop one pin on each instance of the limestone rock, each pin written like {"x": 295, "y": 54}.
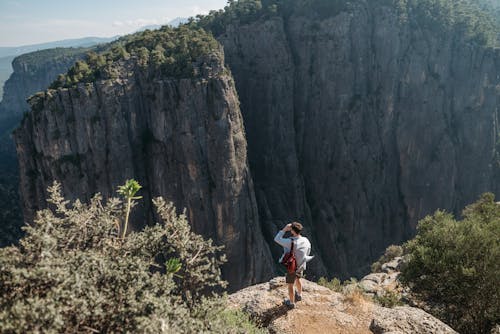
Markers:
{"x": 405, "y": 319}
{"x": 324, "y": 311}
{"x": 392, "y": 266}
{"x": 378, "y": 283}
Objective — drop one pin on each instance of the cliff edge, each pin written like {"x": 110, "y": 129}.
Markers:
{"x": 325, "y": 311}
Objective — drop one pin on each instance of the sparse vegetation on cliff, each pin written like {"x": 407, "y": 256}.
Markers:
{"x": 390, "y": 253}
{"x": 73, "y": 273}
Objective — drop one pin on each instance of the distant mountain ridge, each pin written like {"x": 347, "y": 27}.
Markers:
{"x": 173, "y": 23}
{"x": 66, "y": 43}
{"x": 7, "y": 54}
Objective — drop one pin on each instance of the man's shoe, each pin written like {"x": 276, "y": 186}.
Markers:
{"x": 298, "y": 297}
{"x": 288, "y": 303}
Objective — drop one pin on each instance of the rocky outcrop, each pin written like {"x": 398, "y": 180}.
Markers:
{"x": 361, "y": 123}
{"x": 324, "y": 311}
{"x": 404, "y": 319}
{"x": 181, "y": 138}
{"x": 378, "y": 283}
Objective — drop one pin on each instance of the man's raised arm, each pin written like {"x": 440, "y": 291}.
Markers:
{"x": 285, "y": 242}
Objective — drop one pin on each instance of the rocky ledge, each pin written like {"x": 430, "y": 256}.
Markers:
{"x": 325, "y": 311}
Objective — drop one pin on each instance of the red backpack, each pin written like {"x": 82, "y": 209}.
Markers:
{"x": 289, "y": 261}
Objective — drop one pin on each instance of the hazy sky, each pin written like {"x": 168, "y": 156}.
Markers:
{"x": 37, "y": 21}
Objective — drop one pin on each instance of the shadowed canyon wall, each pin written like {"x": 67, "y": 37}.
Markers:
{"x": 32, "y": 72}
{"x": 360, "y": 124}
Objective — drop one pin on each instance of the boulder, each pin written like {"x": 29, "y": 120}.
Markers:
{"x": 405, "y": 319}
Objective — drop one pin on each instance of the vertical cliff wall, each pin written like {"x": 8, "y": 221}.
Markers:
{"x": 362, "y": 122}
{"x": 180, "y": 138}
{"x": 33, "y": 72}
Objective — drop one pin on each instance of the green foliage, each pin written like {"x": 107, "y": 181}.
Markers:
{"x": 247, "y": 11}
{"x": 239, "y": 319}
{"x": 38, "y": 59}
{"x": 376, "y": 267}
{"x": 172, "y": 266}
{"x": 454, "y": 266}
{"x": 128, "y": 191}
{"x": 334, "y": 284}
{"x": 465, "y": 19}
{"x": 388, "y": 299}
{"x": 390, "y": 254}
{"x": 462, "y": 19}
{"x": 72, "y": 273}
{"x": 167, "y": 51}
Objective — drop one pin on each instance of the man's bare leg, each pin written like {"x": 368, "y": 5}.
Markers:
{"x": 291, "y": 293}
{"x": 298, "y": 283}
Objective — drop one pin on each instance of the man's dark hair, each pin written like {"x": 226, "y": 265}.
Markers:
{"x": 297, "y": 227}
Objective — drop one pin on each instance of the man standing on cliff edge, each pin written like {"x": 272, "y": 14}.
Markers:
{"x": 301, "y": 250}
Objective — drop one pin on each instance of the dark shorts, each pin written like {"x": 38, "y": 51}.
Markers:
{"x": 290, "y": 277}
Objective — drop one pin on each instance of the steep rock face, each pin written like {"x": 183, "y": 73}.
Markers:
{"x": 362, "y": 123}
{"x": 33, "y": 72}
{"x": 182, "y": 139}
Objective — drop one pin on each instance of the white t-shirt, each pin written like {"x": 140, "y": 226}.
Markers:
{"x": 301, "y": 248}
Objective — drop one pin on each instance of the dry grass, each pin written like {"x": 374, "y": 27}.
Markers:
{"x": 356, "y": 297}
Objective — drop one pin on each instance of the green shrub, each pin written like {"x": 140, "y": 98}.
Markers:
{"x": 391, "y": 252}
{"x": 74, "y": 273}
{"x": 376, "y": 267}
{"x": 334, "y": 284}
{"x": 388, "y": 299}
{"x": 454, "y": 266}
{"x": 238, "y": 319}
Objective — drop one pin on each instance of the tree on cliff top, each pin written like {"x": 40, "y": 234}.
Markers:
{"x": 168, "y": 51}
{"x": 454, "y": 266}
{"x": 462, "y": 19}
{"x": 74, "y": 273}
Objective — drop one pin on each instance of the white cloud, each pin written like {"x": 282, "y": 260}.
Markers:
{"x": 137, "y": 23}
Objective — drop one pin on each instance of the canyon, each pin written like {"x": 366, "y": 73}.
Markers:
{"x": 357, "y": 123}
